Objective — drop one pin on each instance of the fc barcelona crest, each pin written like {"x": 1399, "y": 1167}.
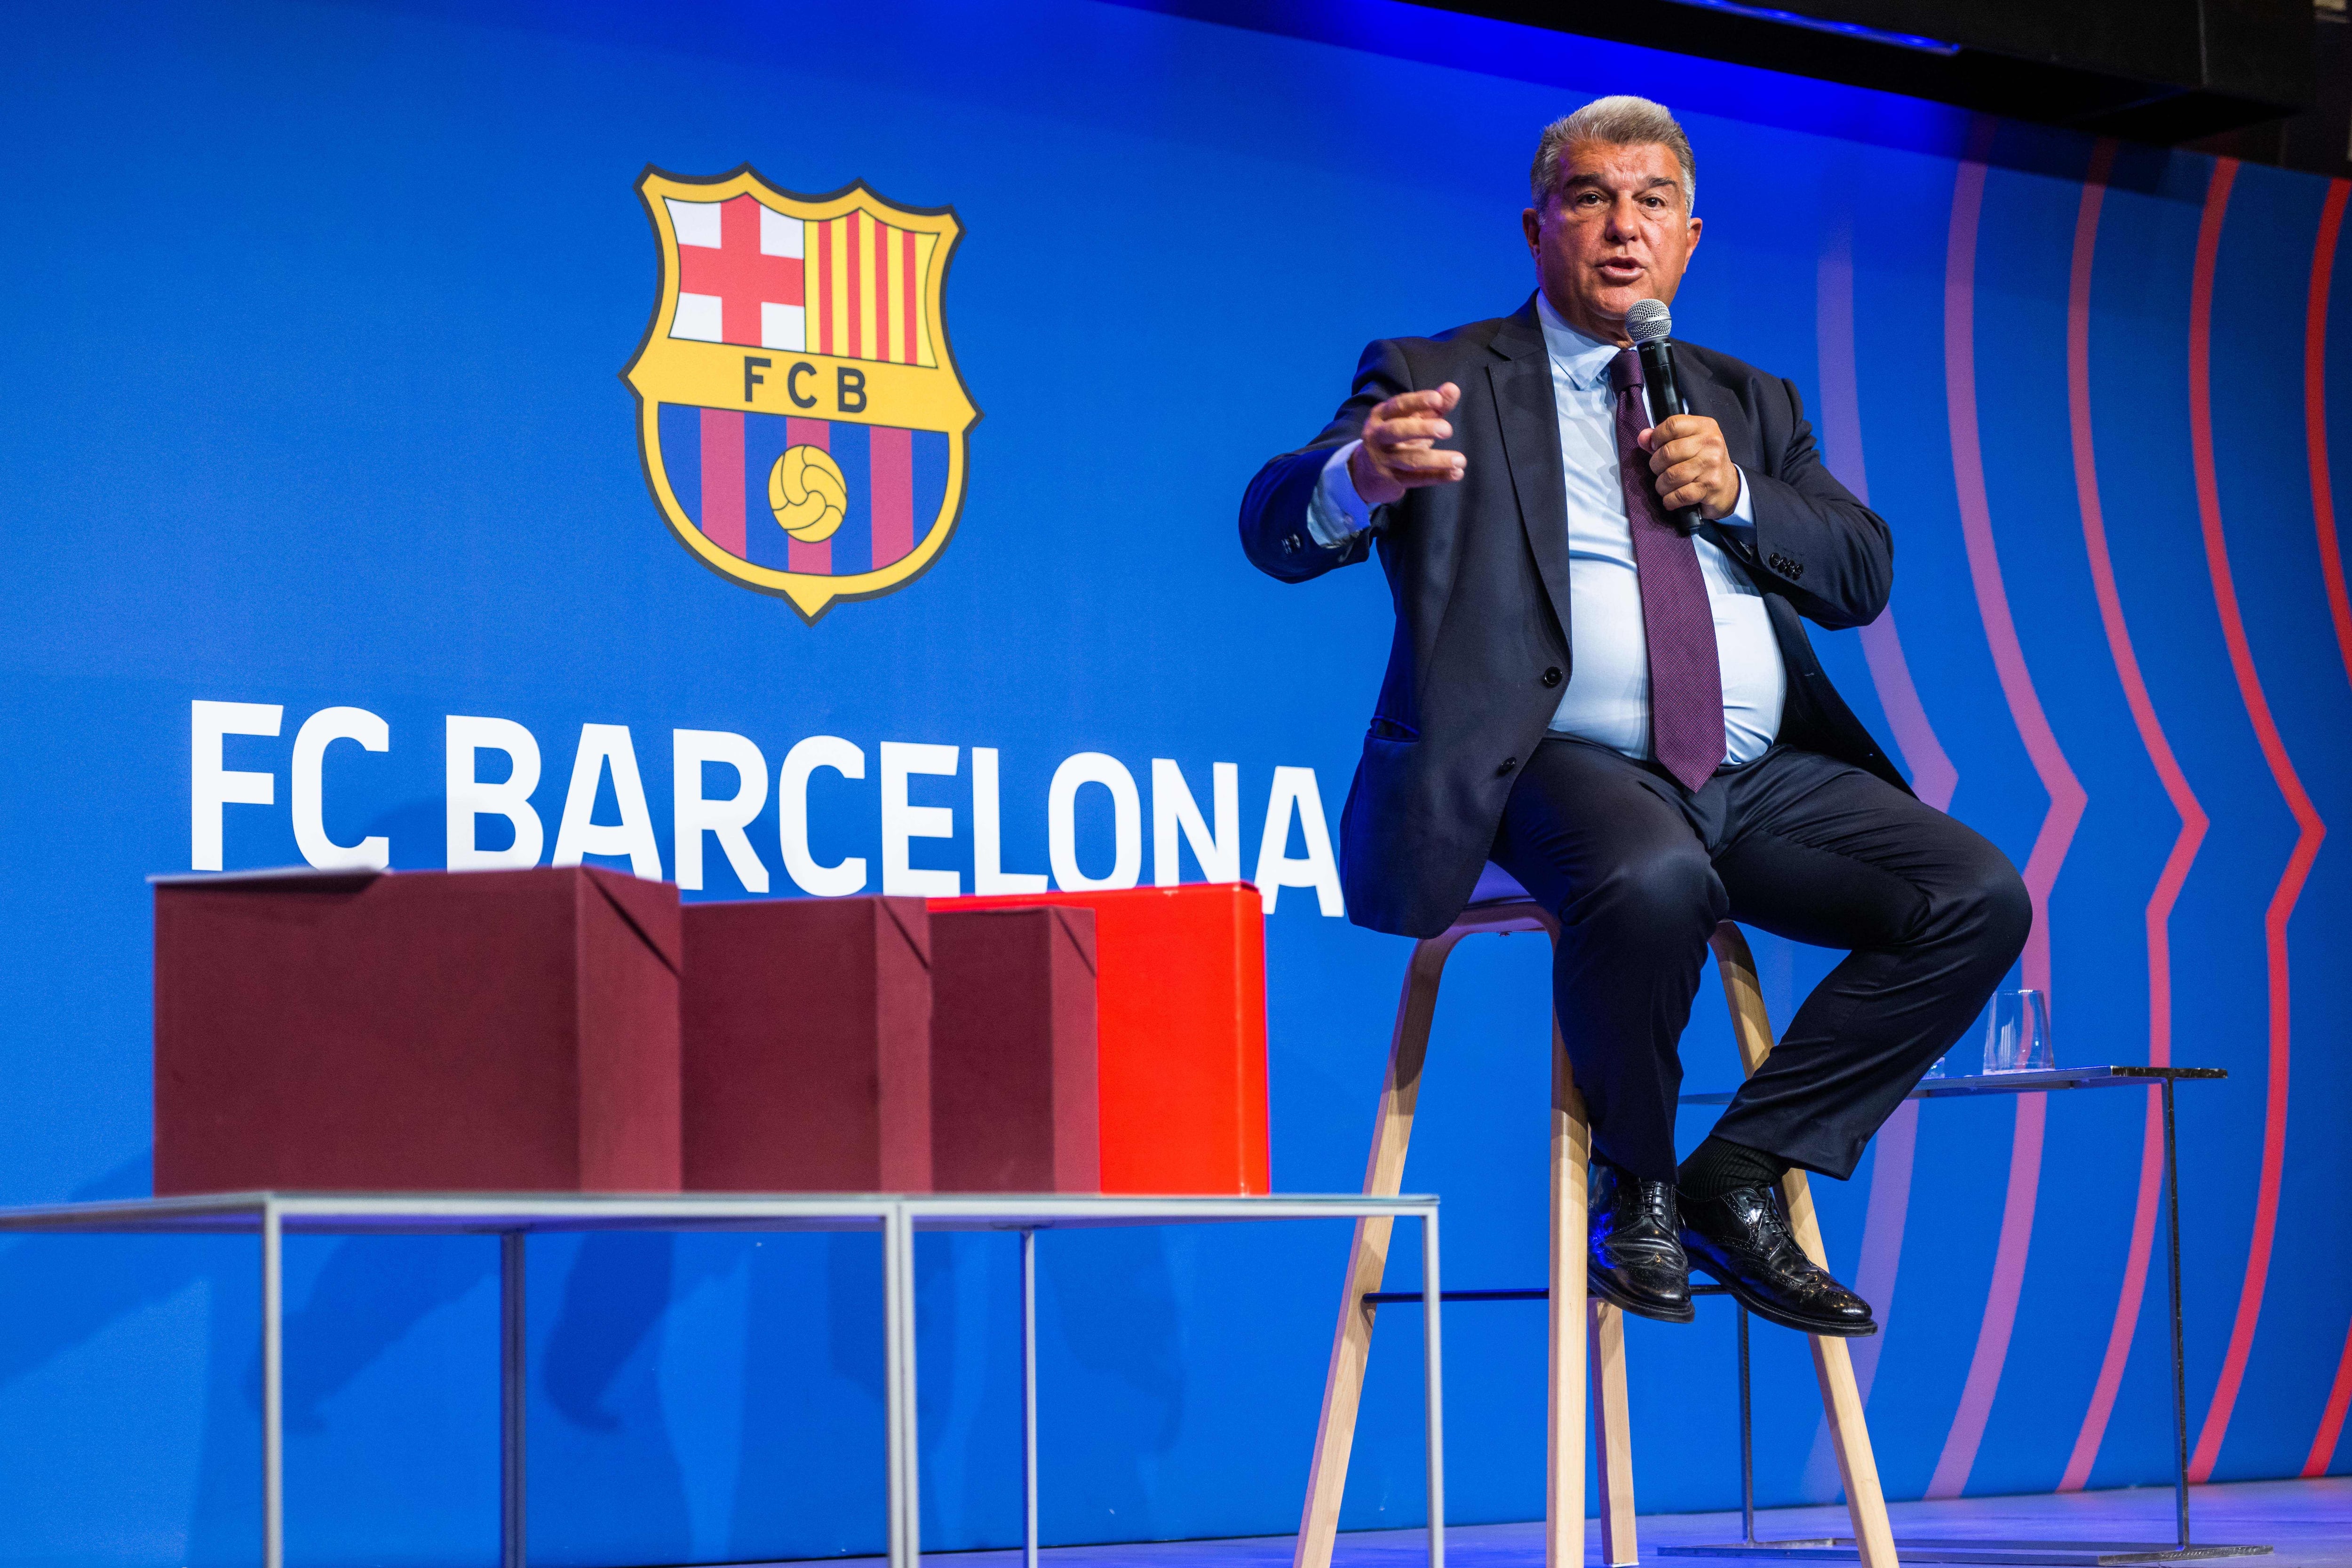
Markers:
{"x": 800, "y": 419}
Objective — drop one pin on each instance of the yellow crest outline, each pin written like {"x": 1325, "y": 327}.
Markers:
{"x": 695, "y": 374}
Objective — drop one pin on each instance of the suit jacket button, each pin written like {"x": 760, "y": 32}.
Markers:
{"x": 1290, "y": 544}
{"x": 1508, "y": 763}
{"x": 1552, "y": 676}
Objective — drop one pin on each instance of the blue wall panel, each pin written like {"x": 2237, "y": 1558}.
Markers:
{"x": 312, "y": 316}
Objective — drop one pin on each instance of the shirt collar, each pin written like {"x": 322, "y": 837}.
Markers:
{"x": 1584, "y": 361}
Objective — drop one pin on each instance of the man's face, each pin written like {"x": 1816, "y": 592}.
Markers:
{"x": 1616, "y": 229}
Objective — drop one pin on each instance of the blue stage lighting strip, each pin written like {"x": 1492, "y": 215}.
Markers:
{"x": 1843, "y": 29}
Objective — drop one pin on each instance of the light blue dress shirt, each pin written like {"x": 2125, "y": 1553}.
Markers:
{"x": 1608, "y": 695}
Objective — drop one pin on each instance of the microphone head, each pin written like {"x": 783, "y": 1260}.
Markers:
{"x": 1648, "y": 322}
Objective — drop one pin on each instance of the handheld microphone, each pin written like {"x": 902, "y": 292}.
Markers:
{"x": 1647, "y": 323}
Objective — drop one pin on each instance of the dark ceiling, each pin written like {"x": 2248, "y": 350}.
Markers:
{"x": 2163, "y": 71}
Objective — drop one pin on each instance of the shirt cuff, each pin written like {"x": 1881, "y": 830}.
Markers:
{"x": 1740, "y": 521}
{"x": 1337, "y": 514}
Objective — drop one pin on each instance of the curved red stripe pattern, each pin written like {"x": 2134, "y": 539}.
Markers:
{"x": 2310, "y": 830}
{"x": 2331, "y": 1419}
{"x": 2315, "y": 413}
{"x": 2331, "y": 567}
{"x": 2185, "y": 843}
{"x": 2065, "y": 792}
{"x": 1932, "y": 776}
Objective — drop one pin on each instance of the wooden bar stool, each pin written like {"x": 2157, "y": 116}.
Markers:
{"x": 1587, "y": 1339}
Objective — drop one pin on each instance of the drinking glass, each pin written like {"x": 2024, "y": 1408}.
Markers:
{"x": 2017, "y": 1032}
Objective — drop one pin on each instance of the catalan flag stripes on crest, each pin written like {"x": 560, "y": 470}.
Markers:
{"x": 850, "y": 286}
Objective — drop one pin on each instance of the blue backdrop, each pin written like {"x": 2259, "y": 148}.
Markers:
{"x": 312, "y": 319}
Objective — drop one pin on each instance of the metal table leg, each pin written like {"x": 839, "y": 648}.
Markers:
{"x": 2172, "y": 1290}
{"x": 1433, "y": 1389}
{"x": 893, "y": 1374}
{"x": 898, "y": 1380}
{"x": 513, "y": 1400}
{"x": 1029, "y": 1398}
{"x": 1747, "y": 1439}
{"x": 273, "y": 1389}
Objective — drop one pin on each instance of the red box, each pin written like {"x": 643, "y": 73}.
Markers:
{"x": 808, "y": 1046}
{"x": 1180, "y": 1027}
{"x": 501, "y": 1031}
{"x": 1015, "y": 1107}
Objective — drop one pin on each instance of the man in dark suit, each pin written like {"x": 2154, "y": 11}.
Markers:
{"x": 1628, "y": 719}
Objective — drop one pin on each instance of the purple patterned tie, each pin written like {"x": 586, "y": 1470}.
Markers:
{"x": 1685, "y": 680}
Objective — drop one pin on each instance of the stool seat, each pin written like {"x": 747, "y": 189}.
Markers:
{"x": 1587, "y": 1336}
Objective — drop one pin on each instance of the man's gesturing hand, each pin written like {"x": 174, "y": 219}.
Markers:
{"x": 1399, "y": 454}
{"x": 1694, "y": 468}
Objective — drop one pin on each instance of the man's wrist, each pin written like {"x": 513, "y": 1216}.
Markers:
{"x": 1337, "y": 512}
{"x": 1743, "y": 507}
{"x": 1741, "y": 513}
{"x": 1365, "y": 479}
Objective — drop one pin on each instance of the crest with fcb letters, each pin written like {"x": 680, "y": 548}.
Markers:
{"x": 800, "y": 419}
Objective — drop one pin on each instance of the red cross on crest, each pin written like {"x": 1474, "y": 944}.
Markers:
{"x": 750, "y": 266}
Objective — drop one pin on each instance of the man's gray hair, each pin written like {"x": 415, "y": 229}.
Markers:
{"x": 1622, "y": 120}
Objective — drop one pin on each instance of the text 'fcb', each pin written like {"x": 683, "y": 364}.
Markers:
{"x": 848, "y": 384}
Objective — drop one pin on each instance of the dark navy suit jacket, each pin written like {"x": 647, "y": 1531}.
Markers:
{"x": 1478, "y": 574}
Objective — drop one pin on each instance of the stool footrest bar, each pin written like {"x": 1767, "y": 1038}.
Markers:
{"x": 1530, "y": 1293}
{"x": 1930, "y": 1549}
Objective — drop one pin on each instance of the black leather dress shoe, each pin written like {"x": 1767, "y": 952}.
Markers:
{"x": 1742, "y": 1240}
{"x": 1634, "y": 1257}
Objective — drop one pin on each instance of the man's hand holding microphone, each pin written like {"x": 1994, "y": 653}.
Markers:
{"x": 1694, "y": 468}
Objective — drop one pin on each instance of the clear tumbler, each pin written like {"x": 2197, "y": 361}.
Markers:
{"x": 2017, "y": 1032}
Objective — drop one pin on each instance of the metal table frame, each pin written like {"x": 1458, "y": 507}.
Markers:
{"x": 1924, "y": 1549}
{"x": 273, "y": 1216}
{"x": 2081, "y": 1553}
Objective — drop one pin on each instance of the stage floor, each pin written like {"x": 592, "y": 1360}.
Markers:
{"x": 2309, "y": 1523}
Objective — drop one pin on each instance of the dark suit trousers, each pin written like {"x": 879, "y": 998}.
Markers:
{"x": 1640, "y": 871}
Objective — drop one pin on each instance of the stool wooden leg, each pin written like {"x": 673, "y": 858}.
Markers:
{"x": 1351, "y": 1343}
{"x": 1841, "y": 1399}
{"x": 1571, "y": 1156}
{"x": 1618, "y": 1545}
{"x": 1841, "y": 1402}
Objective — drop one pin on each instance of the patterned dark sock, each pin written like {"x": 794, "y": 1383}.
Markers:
{"x": 1719, "y": 1165}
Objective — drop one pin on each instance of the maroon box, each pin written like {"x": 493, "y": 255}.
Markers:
{"x": 1014, "y": 1087}
{"x": 808, "y": 1039}
{"x": 502, "y": 1031}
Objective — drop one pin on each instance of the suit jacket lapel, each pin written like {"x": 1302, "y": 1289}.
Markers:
{"x": 1528, "y": 421}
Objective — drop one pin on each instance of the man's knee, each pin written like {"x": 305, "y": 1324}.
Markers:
{"x": 1666, "y": 898}
{"x": 1996, "y": 910}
